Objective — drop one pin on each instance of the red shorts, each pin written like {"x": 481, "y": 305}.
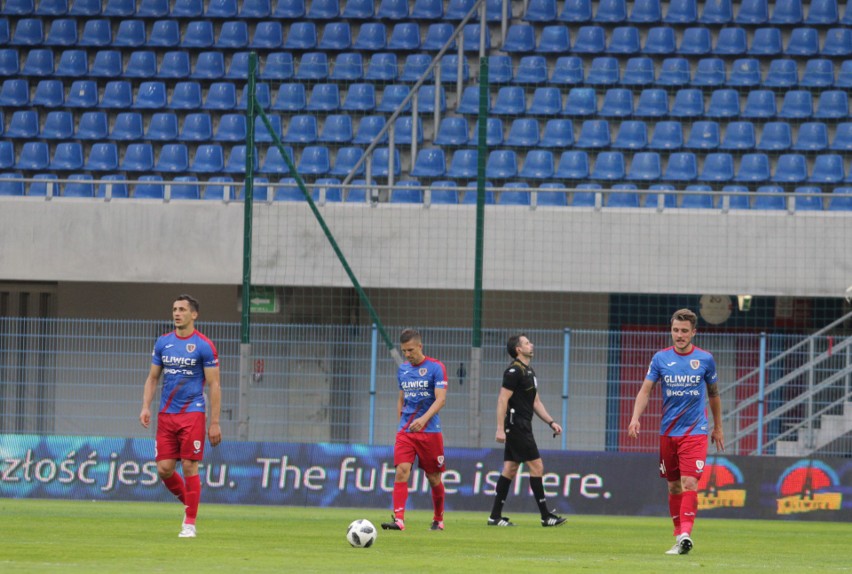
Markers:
{"x": 428, "y": 447}
{"x": 682, "y": 456}
{"x": 180, "y": 436}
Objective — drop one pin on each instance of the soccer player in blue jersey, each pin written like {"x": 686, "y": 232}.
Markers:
{"x": 688, "y": 377}
{"x": 188, "y": 361}
{"x": 422, "y": 393}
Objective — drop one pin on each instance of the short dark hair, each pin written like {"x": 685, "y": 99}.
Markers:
{"x": 193, "y": 302}
{"x": 409, "y": 334}
{"x": 513, "y": 343}
{"x": 685, "y": 315}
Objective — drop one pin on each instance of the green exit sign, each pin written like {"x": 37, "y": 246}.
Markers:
{"x": 264, "y": 300}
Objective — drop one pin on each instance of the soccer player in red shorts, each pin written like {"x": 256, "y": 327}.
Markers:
{"x": 688, "y": 376}
{"x": 422, "y": 393}
{"x": 187, "y": 361}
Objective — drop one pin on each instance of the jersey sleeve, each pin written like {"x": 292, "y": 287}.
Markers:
{"x": 157, "y": 353}
{"x": 209, "y": 355}
{"x": 710, "y": 375}
{"x": 653, "y": 373}
{"x": 439, "y": 374}
{"x": 512, "y": 378}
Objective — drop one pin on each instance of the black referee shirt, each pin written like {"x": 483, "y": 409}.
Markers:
{"x": 520, "y": 379}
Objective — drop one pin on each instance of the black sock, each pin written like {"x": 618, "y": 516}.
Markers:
{"x": 538, "y": 492}
{"x": 501, "y": 491}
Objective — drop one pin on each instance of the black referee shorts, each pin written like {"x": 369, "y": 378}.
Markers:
{"x": 520, "y": 443}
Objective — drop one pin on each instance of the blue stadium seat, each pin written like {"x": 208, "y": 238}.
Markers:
{"x": 381, "y": 161}
{"x": 546, "y": 101}
{"x": 427, "y": 10}
{"x": 346, "y": 159}
{"x": 471, "y": 195}
{"x": 9, "y": 62}
{"x": 653, "y": 103}
{"x": 11, "y": 187}
{"x": 697, "y": 200}
{"x": 268, "y": 35}
{"x": 15, "y": 93}
{"x": 759, "y": 104}
{"x": 581, "y": 102}
{"x": 290, "y": 98}
{"x": 567, "y": 71}
{"x": 150, "y": 96}
{"x": 405, "y": 36}
{"x": 557, "y": 133}
{"x": 354, "y": 10}
{"x": 828, "y": 169}
{"x": 49, "y": 94}
{"x": 500, "y": 69}
{"x": 302, "y": 129}
{"x": 531, "y": 70}
{"x": 221, "y": 9}
{"x": 52, "y": 8}
{"x": 33, "y": 156}
{"x": 632, "y": 135}
{"x": 359, "y": 98}
{"x": 593, "y": 134}
{"x": 471, "y": 34}
{"x": 674, "y": 72}
{"x": 403, "y": 128}
{"x": 314, "y": 161}
{"x": 39, "y": 63}
{"x": 173, "y": 158}
{"x": 184, "y": 187}
{"x": 805, "y": 201}
{"x": 430, "y": 163}
{"x": 142, "y": 64}
{"x": 782, "y": 73}
{"x": 819, "y": 73}
{"x": 511, "y": 101}
{"x": 406, "y": 191}
{"x": 803, "y": 42}
{"x": 609, "y": 166}
{"x": 688, "y": 103}
{"x": 797, "y": 104}
{"x": 164, "y": 34}
{"x": 232, "y": 35}
{"x": 625, "y": 196}
{"x": 586, "y": 197}
{"x": 660, "y": 41}
{"x": 752, "y": 12}
{"x": 324, "y": 10}
{"x": 553, "y": 40}
{"x": 624, "y": 40}
{"x": 187, "y": 96}
{"x": 718, "y": 168}
{"x": 754, "y": 168}
{"x": 371, "y": 37}
{"x": 813, "y": 136}
{"x": 256, "y": 9}
{"x": 838, "y": 42}
{"x": 520, "y": 38}
{"x": 187, "y": 9}
{"x": 739, "y": 136}
{"x": 645, "y": 166}
{"x": 573, "y": 165}
{"x": 119, "y": 8}
{"x": 449, "y": 68}
{"x": 603, "y": 71}
{"x": 681, "y": 167}
{"x": 211, "y": 66}
{"x": 18, "y": 7}
{"x": 638, "y": 71}
{"x": 79, "y": 186}
{"x": 349, "y": 67}
{"x": 131, "y": 34}
{"x": 28, "y": 32}
{"x": 658, "y": 199}
{"x": 841, "y": 197}
{"x": 23, "y": 125}
{"x": 730, "y": 42}
{"x": 175, "y": 65}
{"x": 7, "y": 154}
{"x": 736, "y": 201}
{"x": 667, "y": 135}
{"x": 842, "y": 137}
{"x": 92, "y": 126}
{"x": 463, "y": 164}
{"x": 149, "y": 187}
{"x": 540, "y": 11}
{"x": 62, "y": 32}
{"x": 823, "y": 12}
{"x": 770, "y": 197}
{"x": 501, "y": 164}
{"x": 138, "y": 157}
{"x": 681, "y": 12}
{"x": 716, "y": 12}
{"x": 117, "y": 94}
{"x": 538, "y": 164}
{"x": 493, "y": 133}
{"x": 197, "y": 127}
{"x": 303, "y": 36}
{"x": 524, "y": 132}
{"x": 832, "y": 104}
{"x": 645, "y": 12}
{"x": 516, "y": 193}
{"x": 576, "y": 11}
{"x": 766, "y": 42}
{"x": 262, "y": 133}
{"x": 153, "y": 9}
{"x": 437, "y": 35}
{"x": 382, "y": 67}
{"x": 745, "y": 73}
{"x": 589, "y": 40}
{"x": 703, "y": 135}
{"x": 458, "y": 9}
{"x": 231, "y": 128}
{"x": 238, "y": 68}
{"x": 776, "y": 136}
{"x": 312, "y": 67}
{"x": 791, "y": 168}
{"x": 45, "y": 185}
{"x": 611, "y": 11}
{"x": 786, "y": 12}
{"x": 127, "y": 126}
{"x": 695, "y": 42}
{"x": 551, "y": 194}
{"x": 58, "y": 125}
{"x": 452, "y": 131}
{"x": 392, "y": 98}
{"x": 162, "y": 127}
{"x": 710, "y": 73}
{"x": 208, "y": 158}
{"x": 274, "y": 162}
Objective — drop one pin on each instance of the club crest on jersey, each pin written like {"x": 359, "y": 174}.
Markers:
{"x": 190, "y": 348}
{"x": 422, "y": 371}
{"x": 196, "y": 444}
{"x": 694, "y": 363}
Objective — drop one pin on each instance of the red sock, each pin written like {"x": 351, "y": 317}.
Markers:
{"x": 688, "y": 508}
{"x": 175, "y": 484}
{"x": 193, "y": 497}
{"x": 675, "y": 501}
{"x": 400, "y": 495}
{"x": 438, "y": 501}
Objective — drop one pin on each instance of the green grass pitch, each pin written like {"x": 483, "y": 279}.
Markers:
{"x": 102, "y": 537}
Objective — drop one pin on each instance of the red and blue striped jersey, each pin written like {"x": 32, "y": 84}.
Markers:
{"x": 684, "y": 380}
{"x": 183, "y": 360}
{"x": 418, "y": 384}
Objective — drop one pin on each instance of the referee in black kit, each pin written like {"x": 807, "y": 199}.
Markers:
{"x": 516, "y": 404}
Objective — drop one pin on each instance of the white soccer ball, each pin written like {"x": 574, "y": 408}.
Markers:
{"x": 361, "y": 533}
